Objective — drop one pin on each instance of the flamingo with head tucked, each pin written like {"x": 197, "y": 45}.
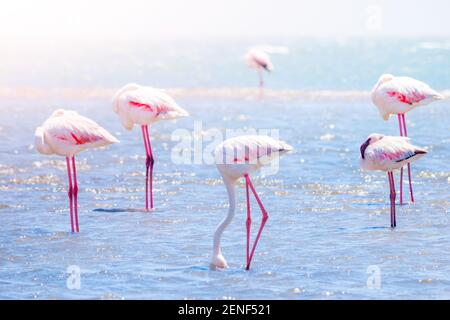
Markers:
{"x": 66, "y": 133}
{"x": 388, "y": 153}
{"x": 399, "y": 95}
{"x": 259, "y": 60}
{"x": 135, "y": 104}
{"x": 236, "y": 158}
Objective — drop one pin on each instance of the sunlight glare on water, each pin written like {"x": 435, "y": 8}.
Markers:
{"x": 328, "y": 221}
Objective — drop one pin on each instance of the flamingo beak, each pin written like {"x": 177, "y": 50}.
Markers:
{"x": 363, "y": 147}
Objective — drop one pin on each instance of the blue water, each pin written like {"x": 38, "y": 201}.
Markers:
{"x": 312, "y": 64}
{"x": 328, "y": 220}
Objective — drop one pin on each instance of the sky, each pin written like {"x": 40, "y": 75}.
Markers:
{"x": 34, "y": 20}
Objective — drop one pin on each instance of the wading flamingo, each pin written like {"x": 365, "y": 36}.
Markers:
{"x": 236, "y": 158}
{"x": 66, "y": 133}
{"x": 398, "y": 95}
{"x": 388, "y": 153}
{"x": 135, "y": 104}
{"x": 259, "y": 60}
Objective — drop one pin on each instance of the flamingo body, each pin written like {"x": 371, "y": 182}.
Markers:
{"x": 246, "y": 154}
{"x": 66, "y": 133}
{"x": 258, "y": 59}
{"x": 399, "y": 95}
{"x": 388, "y": 153}
{"x": 236, "y": 158}
{"x": 135, "y": 104}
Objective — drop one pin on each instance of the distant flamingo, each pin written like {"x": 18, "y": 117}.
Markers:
{"x": 388, "y": 153}
{"x": 398, "y": 95}
{"x": 66, "y": 133}
{"x": 236, "y": 158}
{"x": 141, "y": 105}
{"x": 259, "y": 60}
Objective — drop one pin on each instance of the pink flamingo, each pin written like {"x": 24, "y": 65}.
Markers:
{"x": 135, "y": 104}
{"x": 66, "y": 133}
{"x": 259, "y": 60}
{"x": 236, "y": 158}
{"x": 399, "y": 95}
{"x": 388, "y": 153}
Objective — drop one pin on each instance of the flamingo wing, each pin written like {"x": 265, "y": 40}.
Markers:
{"x": 245, "y": 149}
{"x": 74, "y": 129}
{"x": 394, "y": 151}
{"x": 156, "y": 101}
{"x": 408, "y": 91}
{"x": 259, "y": 58}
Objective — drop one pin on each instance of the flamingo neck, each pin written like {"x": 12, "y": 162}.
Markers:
{"x": 231, "y": 190}
{"x": 116, "y": 97}
{"x": 40, "y": 143}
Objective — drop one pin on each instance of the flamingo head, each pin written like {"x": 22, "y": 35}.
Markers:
{"x": 385, "y": 78}
{"x": 374, "y": 137}
{"x": 125, "y": 88}
{"x": 218, "y": 261}
{"x": 62, "y": 112}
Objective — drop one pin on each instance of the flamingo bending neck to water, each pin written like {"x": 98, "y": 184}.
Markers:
{"x": 236, "y": 158}
{"x": 399, "y": 95}
{"x": 66, "y": 133}
{"x": 135, "y": 104}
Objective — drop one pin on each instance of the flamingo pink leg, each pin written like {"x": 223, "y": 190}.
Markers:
{"x": 75, "y": 194}
{"x": 149, "y": 167}
{"x": 146, "y": 175}
{"x": 401, "y": 169}
{"x": 70, "y": 192}
{"x": 265, "y": 216}
{"x": 392, "y": 198}
{"x": 249, "y": 219}
{"x": 261, "y": 82}
{"x": 409, "y": 164}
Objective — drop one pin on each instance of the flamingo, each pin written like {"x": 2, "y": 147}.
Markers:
{"x": 399, "y": 95}
{"x": 259, "y": 60}
{"x": 66, "y": 133}
{"x": 388, "y": 153}
{"x": 236, "y": 158}
{"x": 135, "y": 104}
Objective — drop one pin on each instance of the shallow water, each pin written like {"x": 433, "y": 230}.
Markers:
{"x": 328, "y": 221}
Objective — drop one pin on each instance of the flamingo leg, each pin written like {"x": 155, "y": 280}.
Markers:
{"x": 401, "y": 169}
{"x": 261, "y": 82}
{"x": 75, "y": 194}
{"x": 265, "y": 216}
{"x": 249, "y": 218}
{"x": 70, "y": 192}
{"x": 149, "y": 162}
{"x": 392, "y": 197}
{"x": 409, "y": 164}
{"x": 144, "y": 137}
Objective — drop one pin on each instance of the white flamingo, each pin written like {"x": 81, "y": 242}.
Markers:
{"x": 399, "y": 95}
{"x": 236, "y": 158}
{"x": 259, "y": 60}
{"x": 135, "y": 104}
{"x": 388, "y": 153}
{"x": 66, "y": 133}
